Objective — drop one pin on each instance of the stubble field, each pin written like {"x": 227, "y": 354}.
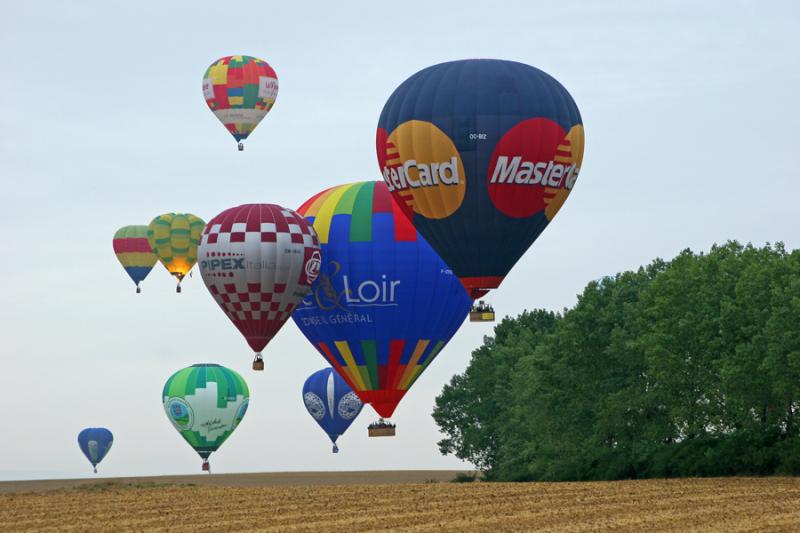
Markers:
{"x": 264, "y": 504}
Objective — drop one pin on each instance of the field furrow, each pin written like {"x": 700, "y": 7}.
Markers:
{"x": 735, "y": 504}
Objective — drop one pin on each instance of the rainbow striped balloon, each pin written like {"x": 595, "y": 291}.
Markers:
{"x": 384, "y": 304}
{"x": 134, "y": 252}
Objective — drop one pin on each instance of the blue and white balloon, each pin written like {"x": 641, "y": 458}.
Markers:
{"x": 95, "y": 443}
{"x": 331, "y": 403}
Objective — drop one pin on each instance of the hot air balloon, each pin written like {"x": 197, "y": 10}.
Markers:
{"x": 384, "y": 304}
{"x": 258, "y": 261}
{"x": 331, "y": 403}
{"x": 134, "y": 252}
{"x": 95, "y": 443}
{"x": 174, "y": 238}
{"x": 205, "y": 403}
{"x": 481, "y": 154}
{"x": 240, "y": 91}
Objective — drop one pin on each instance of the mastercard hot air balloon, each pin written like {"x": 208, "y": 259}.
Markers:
{"x": 174, "y": 238}
{"x": 384, "y": 304}
{"x": 134, "y": 252}
{"x": 258, "y": 261}
{"x": 481, "y": 154}
{"x": 240, "y": 91}
{"x": 205, "y": 403}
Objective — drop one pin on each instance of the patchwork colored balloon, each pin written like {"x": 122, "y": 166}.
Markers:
{"x": 174, "y": 238}
{"x": 384, "y": 304}
{"x": 481, "y": 154}
{"x": 134, "y": 252}
{"x": 258, "y": 261}
{"x": 205, "y": 403}
{"x": 331, "y": 403}
{"x": 240, "y": 91}
{"x": 95, "y": 444}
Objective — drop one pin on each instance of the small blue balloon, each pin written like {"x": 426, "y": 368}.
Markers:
{"x": 95, "y": 443}
{"x": 331, "y": 402}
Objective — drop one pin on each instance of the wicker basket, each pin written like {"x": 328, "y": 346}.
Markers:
{"x": 381, "y": 432}
{"x": 481, "y": 316}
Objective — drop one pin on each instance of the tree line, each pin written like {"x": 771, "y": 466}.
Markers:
{"x": 688, "y": 367}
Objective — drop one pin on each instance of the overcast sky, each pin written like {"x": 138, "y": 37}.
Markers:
{"x": 690, "y": 112}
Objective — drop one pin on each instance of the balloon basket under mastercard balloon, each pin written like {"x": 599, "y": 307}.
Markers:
{"x": 481, "y": 312}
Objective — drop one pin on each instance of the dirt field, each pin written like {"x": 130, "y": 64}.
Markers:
{"x": 736, "y": 504}
{"x": 260, "y": 479}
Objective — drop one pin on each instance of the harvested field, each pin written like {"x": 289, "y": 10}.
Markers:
{"x": 734, "y": 504}
{"x": 257, "y": 479}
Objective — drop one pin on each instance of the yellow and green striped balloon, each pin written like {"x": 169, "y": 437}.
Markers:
{"x": 174, "y": 238}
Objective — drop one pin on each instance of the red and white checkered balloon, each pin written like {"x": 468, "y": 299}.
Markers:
{"x": 258, "y": 261}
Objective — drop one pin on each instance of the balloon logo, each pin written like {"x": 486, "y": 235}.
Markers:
{"x": 314, "y": 405}
{"x": 240, "y": 91}
{"x": 205, "y": 403}
{"x": 427, "y": 176}
{"x": 384, "y": 304}
{"x": 180, "y": 413}
{"x": 331, "y": 403}
{"x": 481, "y": 155}
{"x": 134, "y": 252}
{"x": 174, "y": 238}
{"x": 258, "y": 261}
{"x": 95, "y": 444}
{"x": 240, "y": 413}
{"x": 313, "y": 265}
{"x": 349, "y": 406}
{"x": 520, "y": 188}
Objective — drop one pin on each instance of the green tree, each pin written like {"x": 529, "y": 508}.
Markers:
{"x": 686, "y": 367}
{"x": 468, "y": 409}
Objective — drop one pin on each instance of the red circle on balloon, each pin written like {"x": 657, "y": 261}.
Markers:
{"x": 529, "y": 165}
